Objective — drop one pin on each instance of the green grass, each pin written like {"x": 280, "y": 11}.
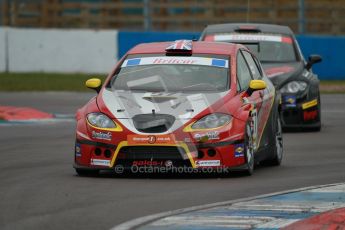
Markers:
{"x": 76, "y": 82}
{"x": 334, "y": 86}
{"x": 45, "y": 82}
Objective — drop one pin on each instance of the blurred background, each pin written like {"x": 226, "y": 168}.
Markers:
{"x": 89, "y": 36}
{"x": 303, "y": 16}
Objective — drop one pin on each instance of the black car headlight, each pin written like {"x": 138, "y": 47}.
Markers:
{"x": 214, "y": 120}
{"x": 100, "y": 120}
{"x": 294, "y": 87}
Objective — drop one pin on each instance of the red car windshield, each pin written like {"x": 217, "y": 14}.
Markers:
{"x": 172, "y": 74}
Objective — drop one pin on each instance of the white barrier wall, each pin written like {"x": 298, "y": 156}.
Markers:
{"x": 52, "y": 50}
{"x": 3, "y": 49}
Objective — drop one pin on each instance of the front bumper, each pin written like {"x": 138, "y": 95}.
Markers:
{"x": 299, "y": 113}
{"x": 100, "y": 156}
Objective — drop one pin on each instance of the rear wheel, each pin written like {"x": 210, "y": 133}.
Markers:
{"x": 249, "y": 149}
{"x": 318, "y": 127}
{"x": 87, "y": 172}
{"x": 277, "y": 147}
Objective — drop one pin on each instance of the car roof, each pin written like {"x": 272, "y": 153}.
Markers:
{"x": 198, "y": 47}
{"x": 235, "y": 27}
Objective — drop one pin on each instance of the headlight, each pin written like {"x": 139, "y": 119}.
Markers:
{"x": 294, "y": 87}
{"x": 100, "y": 120}
{"x": 214, "y": 120}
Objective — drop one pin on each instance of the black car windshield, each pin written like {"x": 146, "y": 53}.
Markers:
{"x": 172, "y": 74}
{"x": 266, "y": 47}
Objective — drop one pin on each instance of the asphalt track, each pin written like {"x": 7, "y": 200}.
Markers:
{"x": 40, "y": 190}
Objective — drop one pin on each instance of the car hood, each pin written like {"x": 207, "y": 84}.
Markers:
{"x": 182, "y": 107}
{"x": 280, "y": 73}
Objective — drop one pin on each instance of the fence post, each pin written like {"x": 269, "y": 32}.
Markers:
{"x": 248, "y": 11}
{"x": 301, "y": 17}
{"x": 7, "y": 52}
{"x": 147, "y": 15}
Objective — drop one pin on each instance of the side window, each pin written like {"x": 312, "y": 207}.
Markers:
{"x": 243, "y": 73}
{"x": 259, "y": 66}
{"x": 252, "y": 65}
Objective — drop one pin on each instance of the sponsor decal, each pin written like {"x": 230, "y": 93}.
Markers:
{"x": 309, "y": 115}
{"x": 289, "y": 101}
{"x": 255, "y": 125}
{"x": 213, "y": 135}
{"x": 150, "y": 139}
{"x": 147, "y": 163}
{"x": 133, "y": 62}
{"x": 219, "y": 62}
{"x": 239, "y": 150}
{"x": 199, "y": 137}
{"x": 206, "y": 163}
{"x": 163, "y": 60}
{"x": 187, "y": 140}
{"x": 100, "y": 162}
{"x": 77, "y": 150}
{"x": 101, "y": 135}
{"x": 309, "y": 104}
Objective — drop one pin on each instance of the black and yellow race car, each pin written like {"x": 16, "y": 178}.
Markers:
{"x": 283, "y": 62}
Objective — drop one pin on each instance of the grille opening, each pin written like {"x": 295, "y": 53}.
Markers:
{"x": 98, "y": 151}
{"x": 153, "y": 123}
{"x": 107, "y": 153}
{"x": 211, "y": 152}
{"x": 177, "y": 155}
{"x": 200, "y": 154}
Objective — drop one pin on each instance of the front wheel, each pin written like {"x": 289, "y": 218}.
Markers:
{"x": 278, "y": 146}
{"x": 249, "y": 149}
{"x": 318, "y": 127}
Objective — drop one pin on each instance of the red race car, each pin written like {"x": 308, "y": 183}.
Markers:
{"x": 180, "y": 106}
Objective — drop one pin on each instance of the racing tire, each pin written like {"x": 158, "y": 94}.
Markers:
{"x": 87, "y": 172}
{"x": 277, "y": 148}
{"x": 249, "y": 150}
{"x": 318, "y": 127}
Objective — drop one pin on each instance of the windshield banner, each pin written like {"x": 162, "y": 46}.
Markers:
{"x": 251, "y": 37}
{"x": 176, "y": 61}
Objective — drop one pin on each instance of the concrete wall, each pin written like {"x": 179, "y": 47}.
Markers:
{"x": 89, "y": 51}
{"x": 49, "y": 50}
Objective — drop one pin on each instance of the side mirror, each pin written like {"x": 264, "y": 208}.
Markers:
{"x": 94, "y": 83}
{"x": 314, "y": 58}
{"x": 255, "y": 85}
